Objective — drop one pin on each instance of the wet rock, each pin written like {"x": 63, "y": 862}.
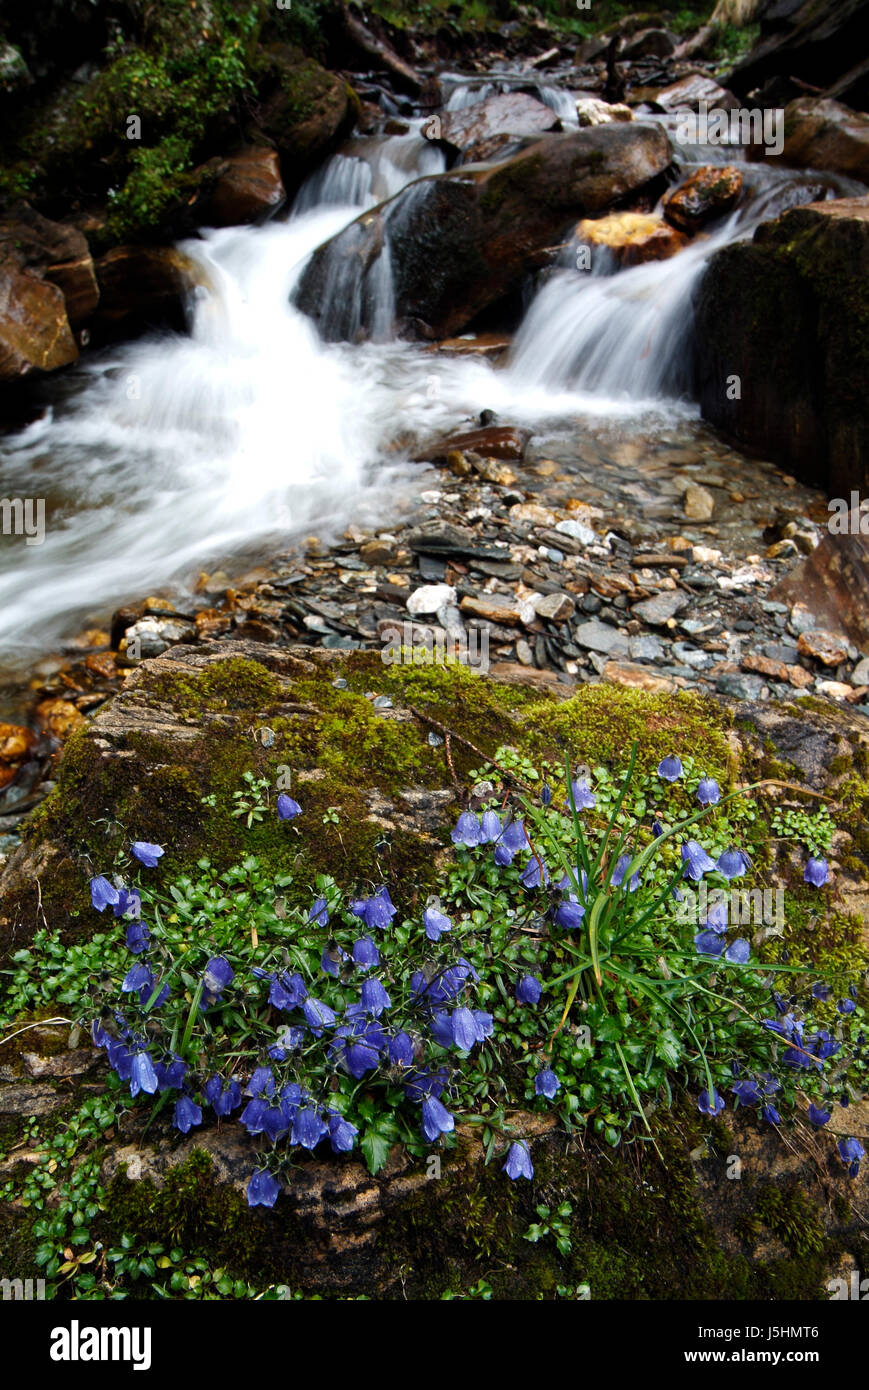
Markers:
{"x": 593, "y": 111}
{"x": 464, "y": 240}
{"x": 814, "y": 41}
{"x": 55, "y": 252}
{"x": 698, "y": 502}
{"x": 59, "y": 717}
{"x": 824, "y": 134}
{"x": 481, "y": 130}
{"x": 828, "y": 647}
{"x": 688, "y": 92}
{"x": 35, "y": 335}
{"x": 633, "y": 238}
{"x": 245, "y": 187}
{"x": 709, "y": 192}
{"x": 495, "y": 441}
{"x": 144, "y": 286}
{"x": 785, "y": 317}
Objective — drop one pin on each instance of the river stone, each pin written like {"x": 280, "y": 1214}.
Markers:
{"x": 556, "y": 608}
{"x": 660, "y": 608}
{"x": 601, "y": 637}
{"x": 698, "y": 502}
{"x": 477, "y": 131}
{"x": 828, "y": 647}
{"x": 709, "y": 192}
{"x": 430, "y": 597}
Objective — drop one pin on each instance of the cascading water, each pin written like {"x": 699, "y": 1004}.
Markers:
{"x": 628, "y": 334}
{"x": 177, "y": 453}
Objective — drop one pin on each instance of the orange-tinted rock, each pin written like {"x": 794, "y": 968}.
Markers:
{"x": 633, "y": 237}
{"x": 765, "y": 666}
{"x": 708, "y": 193}
{"x": 831, "y": 648}
{"x": 60, "y": 718}
{"x": 34, "y": 330}
{"x": 102, "y": 664}
{"x": 15, "y": 743}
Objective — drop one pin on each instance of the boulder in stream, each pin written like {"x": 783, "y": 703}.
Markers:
{"x": 451, "y": 245}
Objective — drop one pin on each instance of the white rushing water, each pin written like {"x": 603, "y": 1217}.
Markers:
{"x": 175, "y": 453}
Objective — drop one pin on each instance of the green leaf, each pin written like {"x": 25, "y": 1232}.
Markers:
{"x": 668, "y": 1047}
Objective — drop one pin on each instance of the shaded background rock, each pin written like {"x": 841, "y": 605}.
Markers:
{"x": 787, "y": 315}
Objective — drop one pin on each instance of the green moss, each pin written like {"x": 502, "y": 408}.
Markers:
{"x": 601, "y": 722}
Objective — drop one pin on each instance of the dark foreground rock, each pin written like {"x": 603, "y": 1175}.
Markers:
{"x": 783, "y": 343}
{"x": 462, "y": 241}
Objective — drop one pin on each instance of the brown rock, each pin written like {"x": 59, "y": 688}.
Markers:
{"x": 698, "y": 502}
{"x": 834, "y": 582}
{"x": 57, "y": 253}
{"x": 824, "y": 134}
{"x": 632, "y": 237}
{"x": 638, "y": 677}
{"x": 34, "y": 330}
{"x": 146, "y": 284}
{"x": 800, "y": 677}
{"x": 765, "y": 666}
{"x": 247, "y": 186}
{"x": 494, "y": 608}
{"x": 708, "y": 193}
{"x": 479, "y": 130}
{"x": 494, "y": 441}
{"x": 829, "y": 647}
{"x": 211, "y": 622}
{"x": 102, "y": 664}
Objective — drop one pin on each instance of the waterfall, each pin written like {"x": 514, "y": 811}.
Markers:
{"x": 628, "y": 334}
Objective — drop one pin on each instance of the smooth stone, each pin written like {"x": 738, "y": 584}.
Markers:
{"x": 600, "y": 637}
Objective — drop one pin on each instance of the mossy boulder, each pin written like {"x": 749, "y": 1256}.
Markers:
{"x": 303, "y": 110}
